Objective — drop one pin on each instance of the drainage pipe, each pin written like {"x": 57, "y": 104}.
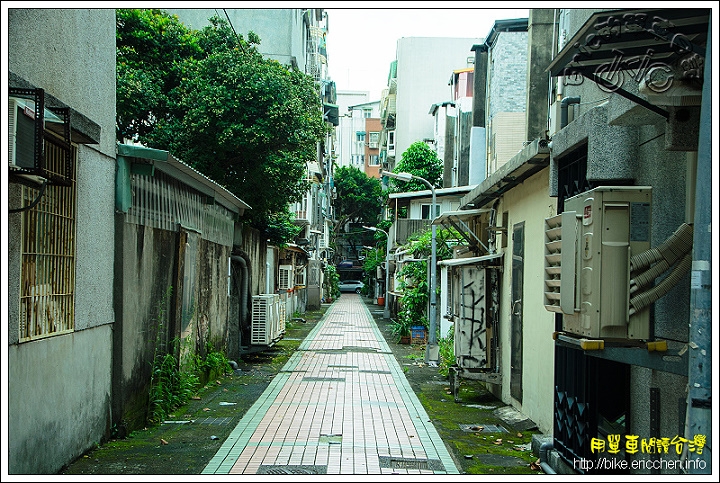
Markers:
{"x": 544, "y": 449}
{"x": 244, "y": 292}
{"x": 566, "y": 101}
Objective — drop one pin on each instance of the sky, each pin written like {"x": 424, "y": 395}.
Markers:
{"x": 361, "y": 43}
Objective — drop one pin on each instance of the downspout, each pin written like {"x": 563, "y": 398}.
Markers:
{"x": 244, "y": 292}
{"x": 564, "y": 109}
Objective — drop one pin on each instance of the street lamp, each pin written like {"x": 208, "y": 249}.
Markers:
{"x": 432, "y": 351}
{"x": 386, "y": 308}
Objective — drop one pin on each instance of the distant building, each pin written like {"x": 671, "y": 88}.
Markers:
{"x": 417, "y": 80}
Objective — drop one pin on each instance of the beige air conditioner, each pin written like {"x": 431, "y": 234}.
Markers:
{"x": 588, "y": 250}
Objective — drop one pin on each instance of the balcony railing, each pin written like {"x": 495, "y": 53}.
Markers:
{"x": 401, "y": 230}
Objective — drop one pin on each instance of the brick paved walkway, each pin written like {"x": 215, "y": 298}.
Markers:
{"x": 341, "y": 405}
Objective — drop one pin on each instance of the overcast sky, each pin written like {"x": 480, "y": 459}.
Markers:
{"x": 361, "y": 42}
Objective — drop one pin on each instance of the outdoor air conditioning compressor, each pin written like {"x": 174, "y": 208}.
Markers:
{"x": 588, "y": 250}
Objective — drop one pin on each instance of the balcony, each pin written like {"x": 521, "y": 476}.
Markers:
{"x": 401, "y": 230}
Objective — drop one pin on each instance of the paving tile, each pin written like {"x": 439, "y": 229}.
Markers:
{"x": 341, "y": 405}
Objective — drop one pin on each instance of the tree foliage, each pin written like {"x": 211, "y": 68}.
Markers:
{"x": 359, "y": 197}
{"x": 211, "y": 99}
{"x": 420, "y": 160}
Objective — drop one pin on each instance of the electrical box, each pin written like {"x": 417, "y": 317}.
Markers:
{"x": 587, "y": 261}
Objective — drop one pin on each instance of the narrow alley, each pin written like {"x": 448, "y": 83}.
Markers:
{"x": 340, "y": 405}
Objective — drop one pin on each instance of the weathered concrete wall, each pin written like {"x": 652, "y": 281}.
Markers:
{"x": 59, "y": 387}
{"x": 628, "y": 142}
{"x": 164, "y": 305}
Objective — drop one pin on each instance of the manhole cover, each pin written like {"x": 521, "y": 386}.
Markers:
{"x": 292, "y": 470}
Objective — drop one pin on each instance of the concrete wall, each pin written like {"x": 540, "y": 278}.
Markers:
{"x": 282, "y": 44}
{"x": 424, "y": 67}
{"x": 627, "y": 143}
{"x": 529, "y": 202}
{"x": 59, "y": 387}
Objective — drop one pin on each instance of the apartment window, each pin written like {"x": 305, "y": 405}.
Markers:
{"x": 360, "y": 136}
{"x": 367, "y": 113}
{"x": 47, "y": 290}
{"x": 425, "y": 211}
{"x": 374, "y": 160}
{"x": 374, "y": 140}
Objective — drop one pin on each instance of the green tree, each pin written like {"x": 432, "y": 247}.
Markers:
{"x": 420, "y": 160}
{"x": 246, "y": 122}
{"x": 359, "y": 200}
{"x": 359, "y": 197}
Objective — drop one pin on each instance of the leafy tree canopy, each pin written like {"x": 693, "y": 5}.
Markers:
{"x": 210, "y": 98}
{"x": 419, "y": 159}
{"x": 359, "y": 197}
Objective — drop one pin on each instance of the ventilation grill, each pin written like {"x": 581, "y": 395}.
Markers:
{"x": 553, "y": 250}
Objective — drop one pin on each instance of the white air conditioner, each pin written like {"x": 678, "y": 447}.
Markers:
{"x": 268, "y": 319}
{"x": 285, "y": 277}
{"x": 587, "y": 261}
{"x": 21, "y": 135}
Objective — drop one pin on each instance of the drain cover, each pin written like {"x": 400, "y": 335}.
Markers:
{"x": 292, "y": 470}
{"x": 410, "y": 464}
{"x": 483, "y": 428}
{"x": 215, "y": 421}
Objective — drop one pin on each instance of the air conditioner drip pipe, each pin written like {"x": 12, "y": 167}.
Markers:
{"x": 644, "y": 299}
{"x": 677, "y": 245}
{"x": 544, "y": 450}
{"x": 564, "y": 103}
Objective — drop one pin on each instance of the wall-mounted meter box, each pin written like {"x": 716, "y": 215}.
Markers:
{"x": 587, "y": 261}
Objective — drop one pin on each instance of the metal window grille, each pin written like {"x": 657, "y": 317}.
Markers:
{"x": 47, "y": 292}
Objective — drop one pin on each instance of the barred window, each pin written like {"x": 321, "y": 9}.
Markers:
{"x": 47, "y": 291}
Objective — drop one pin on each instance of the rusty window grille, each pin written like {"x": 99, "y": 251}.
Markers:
{"x": 47, "y": 292}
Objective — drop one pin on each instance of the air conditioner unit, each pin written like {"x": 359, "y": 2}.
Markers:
{"x": 587, "y": 261}
{"x": 21, "y": 136}
{"x": 373, "y": 145}
{"x": 285, "y": 277}
{"x": 267, "y": 326}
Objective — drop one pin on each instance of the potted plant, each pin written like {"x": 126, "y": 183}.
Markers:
{"x": 401, "y": 327}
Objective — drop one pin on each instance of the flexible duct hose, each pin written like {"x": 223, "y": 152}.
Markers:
{"x": 647, "y": 277}
{"x": 667, "y": 254}
{"x": 677, "y": 245}
{"x": 644, "y": 299}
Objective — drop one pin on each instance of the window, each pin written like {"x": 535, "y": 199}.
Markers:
{"x": 374, "y": 140}
{"x": 360, "y": 136}
{"x": 425, "y": 211}
{"x": 367, "y": 113}
{"x": 374, "y": 160}
{"x": 47, "y": 290}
